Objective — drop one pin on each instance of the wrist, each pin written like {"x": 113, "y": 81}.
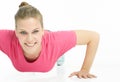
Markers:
{"x": 85, "y": 69}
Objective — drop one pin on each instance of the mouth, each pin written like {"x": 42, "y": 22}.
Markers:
{"x": 31, "y": 44}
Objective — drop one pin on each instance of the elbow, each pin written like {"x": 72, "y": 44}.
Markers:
{"x": 96, "y": 37}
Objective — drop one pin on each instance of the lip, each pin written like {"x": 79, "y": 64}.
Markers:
{"x": 30, "y": 45}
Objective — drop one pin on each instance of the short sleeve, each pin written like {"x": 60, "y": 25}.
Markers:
{"x": 5, "y": 40}
{"x": 64, "y": 41}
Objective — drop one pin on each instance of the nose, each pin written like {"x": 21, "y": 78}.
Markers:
{"x": 29, "y": 38}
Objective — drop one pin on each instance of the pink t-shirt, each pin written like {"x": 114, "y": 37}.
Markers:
{"x": 54, "y": 45}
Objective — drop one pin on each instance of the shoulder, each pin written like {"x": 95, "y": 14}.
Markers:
{"x": 59, "y": 34}
{"x": 6, "y": 34}
{"x": 6, "y": 40}
{"x": 60, "y": 37}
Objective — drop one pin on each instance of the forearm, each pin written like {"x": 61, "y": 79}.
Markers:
{"x": 91, "y": 39}
{"x": 92, "y": 46}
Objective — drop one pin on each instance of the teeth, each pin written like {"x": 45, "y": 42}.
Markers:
{"x": 30, "y": 45}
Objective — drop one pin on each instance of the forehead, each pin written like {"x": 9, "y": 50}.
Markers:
{"x": 28, "y": 23}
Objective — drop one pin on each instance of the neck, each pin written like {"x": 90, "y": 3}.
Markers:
{"x": 30, "y": 57}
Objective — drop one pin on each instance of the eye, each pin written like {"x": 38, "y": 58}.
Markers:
{"x": 35, "y": 31}
{"x": 23, "y": 32}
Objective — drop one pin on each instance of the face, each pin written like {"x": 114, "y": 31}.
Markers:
{"x": 29, "y": 33}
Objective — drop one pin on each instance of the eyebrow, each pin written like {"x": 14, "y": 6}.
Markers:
{"x": 33, "y": 29}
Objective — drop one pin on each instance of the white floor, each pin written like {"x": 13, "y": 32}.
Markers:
{"x": 59, "y": 75}
{"x": 105, "y": 72}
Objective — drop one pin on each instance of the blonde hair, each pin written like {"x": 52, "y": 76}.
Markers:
{"x": 27, "y": 11}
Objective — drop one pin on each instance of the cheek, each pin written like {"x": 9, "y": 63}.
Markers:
{"x": 21, "y": 39}
{"x": 39, "y": 38}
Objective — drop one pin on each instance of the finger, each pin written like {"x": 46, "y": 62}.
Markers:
{"x": 79, "y": 76}
{"x": 73, "y": 74}
{"x": 84, "y": 76}
{"x": 91, "y": 76}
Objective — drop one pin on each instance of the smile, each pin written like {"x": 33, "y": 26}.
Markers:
{"x": 30, "y": 45}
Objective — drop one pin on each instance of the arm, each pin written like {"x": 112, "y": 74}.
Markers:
{"x": 5, "y": 40}
{"x": 91, "y": 39}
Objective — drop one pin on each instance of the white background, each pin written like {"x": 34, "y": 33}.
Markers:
{"x": 102, "y": 16}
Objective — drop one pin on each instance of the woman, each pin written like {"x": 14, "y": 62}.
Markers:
{"x": 32, "y": 49}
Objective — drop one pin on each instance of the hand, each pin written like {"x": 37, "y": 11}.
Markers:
{"x": 82, "y": 74}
